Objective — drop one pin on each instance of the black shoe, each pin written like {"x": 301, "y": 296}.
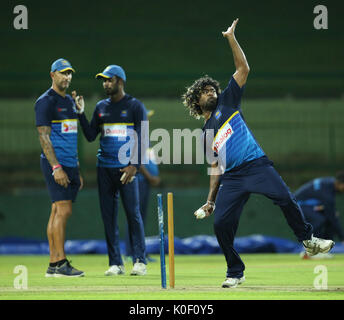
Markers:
{"x": 66, "y": 270}
{"x": 50, "y": 272}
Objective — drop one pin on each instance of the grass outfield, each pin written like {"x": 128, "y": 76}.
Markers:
{"x": 198, "y": 277}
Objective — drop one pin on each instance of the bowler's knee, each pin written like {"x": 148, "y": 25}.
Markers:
{"x": 285, "y": 199}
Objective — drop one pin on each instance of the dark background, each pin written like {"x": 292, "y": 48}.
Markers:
{"x": 165, "y": 45}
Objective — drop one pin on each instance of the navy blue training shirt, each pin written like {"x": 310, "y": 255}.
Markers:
{"x": 116, "y": 122}
{"x": 233, "y": 141}
{"x": 59, "y": 113}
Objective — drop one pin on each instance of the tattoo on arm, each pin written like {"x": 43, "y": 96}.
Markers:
{"x": 47, "y": 147}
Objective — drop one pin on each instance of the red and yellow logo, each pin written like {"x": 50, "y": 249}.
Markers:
{"x": 69, "y": 126}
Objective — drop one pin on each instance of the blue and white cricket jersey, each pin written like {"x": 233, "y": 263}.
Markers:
{"x": 59, "y": 113}
{"x": 118, "y": 124}
{"x": 233, "y": 142}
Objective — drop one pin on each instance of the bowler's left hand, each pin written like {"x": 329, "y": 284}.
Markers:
{"x": 208, "y": 208}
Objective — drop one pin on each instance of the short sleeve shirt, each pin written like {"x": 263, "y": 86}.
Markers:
{"x": 59, "y": 113}
{"x": 231, "y": 139}
{"x": 119, "y": 124}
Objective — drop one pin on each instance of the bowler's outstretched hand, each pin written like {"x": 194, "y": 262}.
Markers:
{"x": 230, "y": 31}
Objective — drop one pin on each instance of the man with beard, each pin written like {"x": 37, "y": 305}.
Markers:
{"x": 118, "y": 119}
{"x": 56, "y": 122}
{"x": 241, "y": 166}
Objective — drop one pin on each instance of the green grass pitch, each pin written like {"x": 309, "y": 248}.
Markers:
{"x": 198, "y": 277}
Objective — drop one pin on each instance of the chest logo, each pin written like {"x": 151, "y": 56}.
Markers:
{"x": 222, "y": 136}
{"x": 124, "y": 113}
{"x": 115, "y": 130}
{"x": 69, "y": 126}
{"x": 218, "y": 115}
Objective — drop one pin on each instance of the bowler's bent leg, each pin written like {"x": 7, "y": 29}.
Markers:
{"x": 265, "y": 180}
{"x": 316, "y": 219}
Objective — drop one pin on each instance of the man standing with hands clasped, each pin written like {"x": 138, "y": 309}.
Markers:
{"x": 118, "y": 120}
{"x": 242, "y": 167}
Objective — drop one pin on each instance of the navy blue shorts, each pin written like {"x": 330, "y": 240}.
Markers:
{"x": 57, "y": 192}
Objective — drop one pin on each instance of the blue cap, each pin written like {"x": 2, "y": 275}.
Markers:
{"x": 111, "y": 71}
{"x": 61, "y": 65}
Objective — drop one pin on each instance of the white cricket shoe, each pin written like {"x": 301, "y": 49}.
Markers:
{"x": 232, "y": 282}
{"x": 317, "y": 245}
{"x": 139, "y": 269}
{"x": 114, "y": 270}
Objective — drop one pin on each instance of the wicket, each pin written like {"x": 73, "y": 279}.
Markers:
{"x": 162, "y": 241}
{"x": 170, "y": 240}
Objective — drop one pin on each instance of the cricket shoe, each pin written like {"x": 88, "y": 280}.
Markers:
{"x": 139, "y": 269}
{"x": 232, "y": 282}
{"x": 66, "y": 270}
{"x": 50, "y": 272}
{"x": 114, "y": 270}
{"x": 317, "y": 245}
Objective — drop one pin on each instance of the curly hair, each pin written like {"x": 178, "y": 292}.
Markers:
{"x": 193, "y": 93}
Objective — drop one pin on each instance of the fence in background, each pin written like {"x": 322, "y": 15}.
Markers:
{"x": 303, "y": 137}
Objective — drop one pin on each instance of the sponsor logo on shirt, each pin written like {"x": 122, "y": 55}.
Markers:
{"x": 222, "y": 137}
{"x": 115, "y": 130}
{"x": 61, "y": 109}
{"x": 124, "y": 113}
{"x": 103, "y": 114}
{"x": 69, "y": 126}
